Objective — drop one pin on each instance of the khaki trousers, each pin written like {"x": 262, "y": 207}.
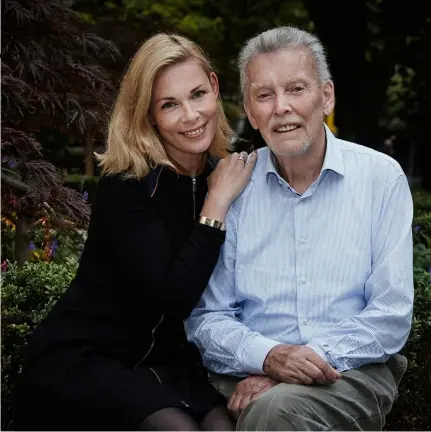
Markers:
{"x": 360, "y": 400}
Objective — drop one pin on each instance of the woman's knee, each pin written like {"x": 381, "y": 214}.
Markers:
{"x": 168, "y": 419}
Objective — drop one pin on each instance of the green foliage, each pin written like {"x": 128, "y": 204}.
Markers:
{"x": 422, "y": 224}
{"x": 219, "y": 26}
{"x": 46, "y": 243}
{"x": 84, "y": 184}
{"x": 411, "y": 411}
{"x": 27, "y": 294}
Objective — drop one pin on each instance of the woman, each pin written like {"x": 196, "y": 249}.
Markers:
{"x": 112, "y": 354}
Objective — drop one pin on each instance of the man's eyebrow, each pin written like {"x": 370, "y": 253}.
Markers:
{"x": 301, "y": 80}
{"x": 258, "y": 86}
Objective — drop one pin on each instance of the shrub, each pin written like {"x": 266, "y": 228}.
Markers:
{"x": 46, "y": 243}
{"x": 411, "y": 410}
{"x": 28, "y": 293}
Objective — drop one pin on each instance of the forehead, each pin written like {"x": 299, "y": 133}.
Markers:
{"x": 179, "y": 77}
{"x": 281, "y": 66}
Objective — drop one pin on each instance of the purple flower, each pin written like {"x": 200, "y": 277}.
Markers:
{"x": 54, "y": 247}
{"x": 10, "y": 162}
{"x": 32, "y": 246}
{"x": 4, "y": 266}
{"x": 429, "y": 272}
{"x": 417, "y": 228}
{"x": 85, "y": 195}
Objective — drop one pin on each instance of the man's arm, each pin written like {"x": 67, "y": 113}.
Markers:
{"x": 227, "y": 346}
{"x": 382, "y": 328}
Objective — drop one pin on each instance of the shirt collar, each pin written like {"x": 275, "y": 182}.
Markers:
{"x": 333, "y": 157}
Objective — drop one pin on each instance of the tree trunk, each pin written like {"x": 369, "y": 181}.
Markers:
{"x": 89, "y": 162}
{"x": 22, "y": 239}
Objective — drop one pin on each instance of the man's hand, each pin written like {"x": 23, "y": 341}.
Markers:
{"x": 247, "y": 391}
{"x": 298, "y": 364}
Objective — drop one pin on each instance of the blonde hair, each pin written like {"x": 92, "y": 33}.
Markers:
{"x": 133, "y": 145}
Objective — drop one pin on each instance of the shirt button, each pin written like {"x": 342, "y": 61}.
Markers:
{"x": 302, "y": 240}
{"x": 302, "y": 281}
{"x": 304, "y": 322}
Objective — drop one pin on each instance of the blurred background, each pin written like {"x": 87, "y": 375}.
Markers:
{"x": 62, "y": 61}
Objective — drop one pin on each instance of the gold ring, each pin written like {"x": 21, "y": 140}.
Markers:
{"x": 243, "y": 158}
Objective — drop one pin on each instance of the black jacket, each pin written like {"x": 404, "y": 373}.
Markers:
{"x": 145, "y": 265}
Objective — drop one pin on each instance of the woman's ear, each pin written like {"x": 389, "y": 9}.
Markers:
{"x": 151, "y": 119}
{"x": 214, "y": 83}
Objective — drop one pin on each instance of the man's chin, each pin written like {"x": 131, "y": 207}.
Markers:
{"x": 290, "y": 149}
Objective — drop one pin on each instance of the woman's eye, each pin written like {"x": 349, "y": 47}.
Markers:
{"x": 263, "y": 95}
{"x": 168, "y": 105}
{"x": 198, "y": 94}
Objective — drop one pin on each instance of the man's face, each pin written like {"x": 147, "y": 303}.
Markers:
{"x": 286, "y": 101}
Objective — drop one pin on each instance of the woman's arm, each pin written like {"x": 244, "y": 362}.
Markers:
{"x": 135, "y": 237}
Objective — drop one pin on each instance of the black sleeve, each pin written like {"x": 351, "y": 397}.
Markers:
{"x": 135, "y": 235}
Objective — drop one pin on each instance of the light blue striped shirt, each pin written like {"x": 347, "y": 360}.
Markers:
{"x": 331, "y": 268}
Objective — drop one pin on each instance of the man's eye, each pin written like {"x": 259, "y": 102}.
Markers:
{"x": 198, "y": 94}
{"x": 168, "y": 105}
{"x": 297, "y": 89}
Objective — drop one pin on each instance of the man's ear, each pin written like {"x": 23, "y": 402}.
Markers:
{"x": 251, "y": 119}
{"x": 329, "y": 98}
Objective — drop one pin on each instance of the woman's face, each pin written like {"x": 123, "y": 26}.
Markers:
{"x": 184, "y": 109}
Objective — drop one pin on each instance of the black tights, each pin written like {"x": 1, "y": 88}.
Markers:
{"x": 177, "y": 419}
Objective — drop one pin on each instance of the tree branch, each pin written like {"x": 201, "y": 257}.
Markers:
{"x": 14, "y": 183}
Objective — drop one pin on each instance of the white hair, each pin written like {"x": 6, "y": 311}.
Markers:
{"x": 283, "y": 38}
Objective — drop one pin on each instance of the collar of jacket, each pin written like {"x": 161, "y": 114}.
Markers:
{"x": 153, "y": 176}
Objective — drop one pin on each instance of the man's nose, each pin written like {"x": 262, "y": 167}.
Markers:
{"x": 282, "y": 105}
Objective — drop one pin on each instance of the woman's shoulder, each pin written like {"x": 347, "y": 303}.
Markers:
{"x": 119, "y": 184}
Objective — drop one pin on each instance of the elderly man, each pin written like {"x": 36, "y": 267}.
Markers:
{"x": 313, "y": 293}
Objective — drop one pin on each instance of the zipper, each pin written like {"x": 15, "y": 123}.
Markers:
{"x": 157, "y": 376}
{"x": 157, "y": 183}
{"x": 153, "y": 342}
{"x": 194, "y": 197}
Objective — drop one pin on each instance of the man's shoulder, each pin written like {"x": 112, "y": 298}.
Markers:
{"x": 257, "y": 177}
{"x": 261, "y": 168}
{"x": 363, "y": 159}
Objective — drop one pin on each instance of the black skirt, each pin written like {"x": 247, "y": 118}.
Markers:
{"x": 80, "y": 392}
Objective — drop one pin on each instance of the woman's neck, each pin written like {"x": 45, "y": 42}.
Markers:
{"x": 190, "y": 167}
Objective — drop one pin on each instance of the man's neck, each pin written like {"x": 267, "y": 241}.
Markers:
{"x": 302, "y": 170}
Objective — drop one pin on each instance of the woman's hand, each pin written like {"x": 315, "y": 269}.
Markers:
{"x": 247, "y": 391}
{"x": 227, "y": 182}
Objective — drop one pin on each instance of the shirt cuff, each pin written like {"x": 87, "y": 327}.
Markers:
{"x": 319, "y": 351}
{"x": 255, "y": 352}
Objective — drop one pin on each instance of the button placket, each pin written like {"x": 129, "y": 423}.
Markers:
{"x": 301, "y": 211}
